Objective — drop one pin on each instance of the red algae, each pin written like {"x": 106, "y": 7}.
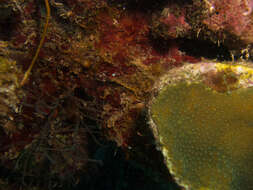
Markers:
{"x": 229, "y": 15}
{"x": 176, "y": 25}
{"x": 120, "y": 33}
{"x": 233, "y": 17}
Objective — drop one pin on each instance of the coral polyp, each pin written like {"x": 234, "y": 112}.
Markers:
{"x": 202, "y": 115}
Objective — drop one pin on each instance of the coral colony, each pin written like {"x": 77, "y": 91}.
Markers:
{"x": 77, "y": 76}
{"x": 202, "y": 116}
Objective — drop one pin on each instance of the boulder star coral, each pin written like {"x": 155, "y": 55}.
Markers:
{"x": 202, "y": 115}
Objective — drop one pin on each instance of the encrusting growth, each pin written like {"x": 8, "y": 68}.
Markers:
{"x": 202, "y": 116}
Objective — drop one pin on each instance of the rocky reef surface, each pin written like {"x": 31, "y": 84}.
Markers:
{"x": 81, "y": 114}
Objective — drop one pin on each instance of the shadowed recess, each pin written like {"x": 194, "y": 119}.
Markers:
{"x": 204, "y": 48}
{"x": 8, "y": 22}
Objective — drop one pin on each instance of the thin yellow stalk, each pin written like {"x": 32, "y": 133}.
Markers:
{"x": 27, "y": 73}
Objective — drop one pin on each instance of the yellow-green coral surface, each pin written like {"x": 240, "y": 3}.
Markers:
{"x": 206, "y": 136}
